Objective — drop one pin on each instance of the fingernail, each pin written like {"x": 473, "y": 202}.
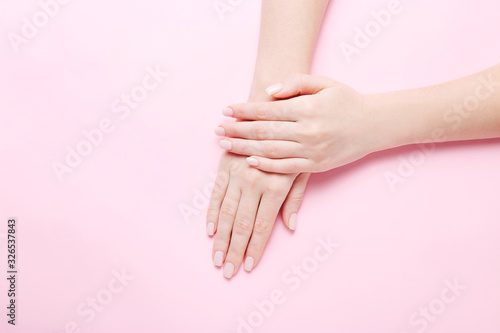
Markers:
{"x": 228, "y": 270}
{"x": 219, "y": 255}
{"x": 220, "y": 131}
{"x": 227, "y": 112}
{"x": 249, "y": 264}
{"x": 252, "y": 161}
{"x": 210, "y": 229}
{"x": 293, "y": 221}
{"x": 275, "y": 88}
{"x": 225, "y": 144}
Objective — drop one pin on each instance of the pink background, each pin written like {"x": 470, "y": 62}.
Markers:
{"x": 120, "y": 208}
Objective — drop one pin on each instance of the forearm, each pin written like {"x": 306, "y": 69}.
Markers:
{"x": 288, "y": 34}
{"x": 463, "y": 109}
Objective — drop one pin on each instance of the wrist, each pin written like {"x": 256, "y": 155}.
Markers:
{"x": 258, "y": 92}
{"x": 395, "y": 118}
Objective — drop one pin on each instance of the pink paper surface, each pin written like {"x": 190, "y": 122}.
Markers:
{"x": 105, "y": 248}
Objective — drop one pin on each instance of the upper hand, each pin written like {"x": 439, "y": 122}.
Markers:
{"x": 327, "y": 126}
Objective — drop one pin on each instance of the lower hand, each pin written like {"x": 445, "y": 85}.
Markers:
{"x": 243, "y": 208}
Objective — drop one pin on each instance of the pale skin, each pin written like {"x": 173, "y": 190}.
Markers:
{"x": 312, "y": 124}
{"x": 330, "y": 124}
{"x": 245, "y": 201}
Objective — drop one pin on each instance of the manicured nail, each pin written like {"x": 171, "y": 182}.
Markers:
{"x": 227, "y": 112}
{"x": 293, "y": 221}
{"x": 210, "y": 229}
{"x": 219, "y": 131}
{"x": 228, "y": 270}
{"x": 219, "y": 255}
{"x": 225, "y": 144}
{"x": 252, "y": 161}
{"x": 249, "y": 264}
{"x": 274, "y": 89}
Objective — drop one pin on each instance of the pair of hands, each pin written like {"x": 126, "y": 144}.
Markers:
{"x": 316, "y": 124}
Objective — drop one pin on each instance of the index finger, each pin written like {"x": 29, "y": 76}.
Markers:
{"x": 276, "y": 110}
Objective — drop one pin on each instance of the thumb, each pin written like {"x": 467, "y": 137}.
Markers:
{"x": 299, "y": 84}
{"x": 293, "y": 200}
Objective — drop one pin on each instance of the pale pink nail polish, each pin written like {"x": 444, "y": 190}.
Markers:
{"x": 274, "y": 89}
{"x": 210, "y": 229}
{"x": 293, "y": 221}
{"x": 227, "y": 112}
{"x": 228, "y": 270}
{"x": 220, "y": 131}
{"x": 249, "y": 264}
{"x": 252, "y": 161}
{"x": 218, "y": 257}
{"x": 225, "y": 144}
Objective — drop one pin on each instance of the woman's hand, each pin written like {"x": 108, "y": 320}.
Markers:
{"x": 246, "y": 201}
{"x": 325, "y": 126}
{"x": 243, "y": 208}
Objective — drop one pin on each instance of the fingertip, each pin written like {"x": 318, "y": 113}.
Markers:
{"x": 225, "y": 144}
{"x": 220, "y": 131}
{"x": 210, "y": 229}
{"x": 228, "y": 271}
{"x": 252, "y": 161}
{"x": 228, "y": 112}
{"x": 249, "y": 261}
{"x": 218, "y": 258}
{"x": 292, "y": 222}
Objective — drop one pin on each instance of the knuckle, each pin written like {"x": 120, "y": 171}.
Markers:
{"x": 296, "y": 199}
{"x": 227, "y": 212}
{"x": 252, "y": 177}
{"x": 305, "y": 132}
{"x": 276, "y": 126}
{"x": 242, "y": 226}
{"x": 218, "y": 189}
{"x": 261, "y": 227}
{"x": 320, "y": 131}
{"x": 261, "y": 113}
{"x": 321, "y": 148}
{"x": 261, "y": 132}
{"x": 274, "y": 188}
{"x": 308, "y": 106}
{"x": 315, "y": 153}
{"x": 310, "y": 133}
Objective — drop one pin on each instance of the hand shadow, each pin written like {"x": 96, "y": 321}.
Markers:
{"x": 326, "y": 179}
